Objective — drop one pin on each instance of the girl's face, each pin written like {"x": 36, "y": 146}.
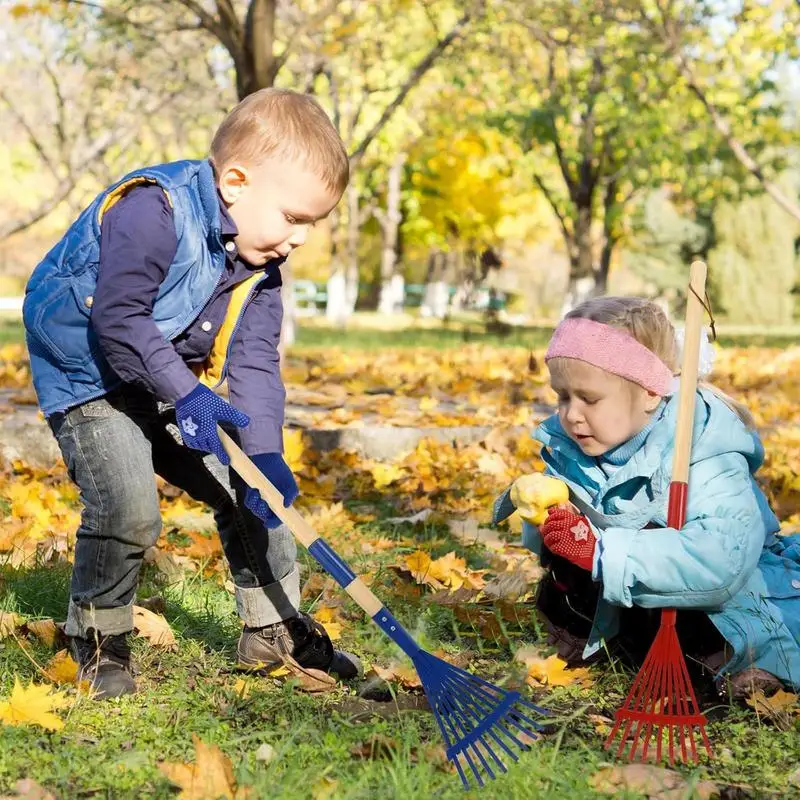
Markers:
{"x": 598, "y": 410}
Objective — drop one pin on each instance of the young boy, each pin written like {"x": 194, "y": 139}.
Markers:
{"x": 167, "y": 285}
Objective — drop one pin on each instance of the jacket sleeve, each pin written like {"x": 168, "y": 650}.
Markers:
{"x": 254, "y": 371}
{"x": 137, "y": 246}
{"x": 700, "y": 566}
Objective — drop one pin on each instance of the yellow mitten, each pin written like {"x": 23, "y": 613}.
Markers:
{"x": 534, "y": 494}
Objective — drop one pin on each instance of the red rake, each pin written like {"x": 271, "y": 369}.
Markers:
{"x": 662, "y": 701}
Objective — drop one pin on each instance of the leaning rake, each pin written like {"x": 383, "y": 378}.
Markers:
{"x": 662, "y": 703}
{"x": 483, "y": 725}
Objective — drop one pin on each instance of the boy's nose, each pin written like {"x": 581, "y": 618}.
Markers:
{"x": 298, "y": 236}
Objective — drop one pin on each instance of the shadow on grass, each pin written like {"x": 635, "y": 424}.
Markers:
{"x": 195, "y": 609}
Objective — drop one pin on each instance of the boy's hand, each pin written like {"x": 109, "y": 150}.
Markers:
{"x": 280, "y": 476}
{"x": 570, "y": 536}
{"x": 198, "y": 414}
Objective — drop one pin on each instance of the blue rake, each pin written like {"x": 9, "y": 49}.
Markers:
{"x": 483, "y": 725}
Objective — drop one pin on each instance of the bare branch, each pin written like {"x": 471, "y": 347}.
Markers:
{"x": 310, "y": 22}
{"x": 122, "y": 138}
{"x": 413, "y": 79}
{"x": 562, "y": 219}
{"x": 669, "y": 31}
{"x": 37, "y": 144}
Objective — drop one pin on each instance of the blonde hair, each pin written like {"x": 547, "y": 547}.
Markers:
{"x": 277, "y": 123}
{"x": 649, "y": 325}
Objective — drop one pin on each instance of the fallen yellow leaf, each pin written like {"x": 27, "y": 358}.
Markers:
{"x": 153, "y": 627}
{"x": 780, "y": 701}
{"x": 62, "y": 668}
{"x": 242, "y": 688}
{"x": 44, "y": 629}
{"x": 419, "y": 564}
{"x": 208, "y": 778}
{"x": 324, "y": 789}
{"x": 327, "y": 616}
{"x": 552, "y": 671}
{"x": 385, "y": 474}
{"x": 33, "y": 705}
{"x": 9, "y": 622}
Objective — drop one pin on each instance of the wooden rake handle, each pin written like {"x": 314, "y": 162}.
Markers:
{"x": 688, "y": 380}
{"x": 302, "y": 531}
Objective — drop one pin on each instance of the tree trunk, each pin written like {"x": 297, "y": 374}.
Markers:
{"x": 351, "y": 255}
{"x": 437, "y": 292}
{"x": 392, "y": 289}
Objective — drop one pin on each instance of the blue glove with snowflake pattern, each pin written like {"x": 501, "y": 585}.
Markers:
{"x": 198, "y": 414}
{"x": 280, "y": 476}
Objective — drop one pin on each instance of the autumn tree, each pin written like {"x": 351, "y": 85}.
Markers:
{"x": 605, "y": 115}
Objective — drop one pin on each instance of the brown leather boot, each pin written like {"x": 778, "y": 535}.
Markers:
{"x": 302, "y": 638}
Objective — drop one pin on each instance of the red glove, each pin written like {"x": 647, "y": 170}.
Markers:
{"x": 570, "y": 536}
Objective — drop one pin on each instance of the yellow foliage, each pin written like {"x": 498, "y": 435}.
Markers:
{"x": 210, "y": 777}
{"x": 62, "y": 668}
{"x": 33, "y": 705}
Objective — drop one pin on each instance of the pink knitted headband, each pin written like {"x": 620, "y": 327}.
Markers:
{"x": 611, "y": 349}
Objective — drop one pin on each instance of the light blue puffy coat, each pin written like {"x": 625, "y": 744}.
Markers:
{"x": 726, "y": 560}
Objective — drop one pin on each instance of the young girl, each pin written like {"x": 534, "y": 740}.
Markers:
{"x": 610, "y": 557}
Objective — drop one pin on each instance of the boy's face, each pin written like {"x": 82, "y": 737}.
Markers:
{"x": 598, "y": 410}
{"x": 273, "y": 204}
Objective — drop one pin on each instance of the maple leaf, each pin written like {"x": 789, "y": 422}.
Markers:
{"x": 9, "y": 622}
{"x": 399, "y": 673}
{"x": 386, "y": 474}
{"x": 44, "y": 629}
{"x": 210, "y": 777}
{"x": 293, "y": 449}
{"x": 62, "y": 668}
{"x": 493, "y": 464}
{"x": 428, "y": 403}
{"x": 327, "y": 616}
{"x": 33, "y": 705}
{"x": 773, "y": 706}
{"x": 419, "y": 564}
{"x": 654, "y": 782}
{"x": 553, "y": 671}
{"x": 153, "y": 627}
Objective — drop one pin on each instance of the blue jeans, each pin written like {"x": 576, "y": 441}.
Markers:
{"x": 113, "y": 448}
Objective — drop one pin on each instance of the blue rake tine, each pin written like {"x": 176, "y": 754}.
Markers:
{"x": 514, "y": 716}
{"x": 466, "y": 731}
{"x": 474, "y": 709}
{"x": 457, "y": 697}
{"x": 474, "y": 685}
{"x": 455, "y": 703}
{"x": 501, "y": 726}
{"x": 447, "y": 740}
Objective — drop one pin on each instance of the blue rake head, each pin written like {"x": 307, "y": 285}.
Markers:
{"x": 482, "y": 724}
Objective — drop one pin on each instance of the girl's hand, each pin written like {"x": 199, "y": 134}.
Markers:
{"x": 570, "y": 536}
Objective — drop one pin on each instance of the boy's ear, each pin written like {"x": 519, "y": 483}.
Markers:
{"x": 232, "y": 181}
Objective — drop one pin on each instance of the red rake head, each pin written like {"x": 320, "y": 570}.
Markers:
{"x": 661, "y": 703}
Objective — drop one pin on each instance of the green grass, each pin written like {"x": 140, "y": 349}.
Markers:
{"x": 11, "y": 330}
{"x": 111, "y": 749}
{"x": 457, "y": 333}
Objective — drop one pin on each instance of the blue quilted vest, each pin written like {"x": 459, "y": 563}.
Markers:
{"x": 67, "y": 364}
